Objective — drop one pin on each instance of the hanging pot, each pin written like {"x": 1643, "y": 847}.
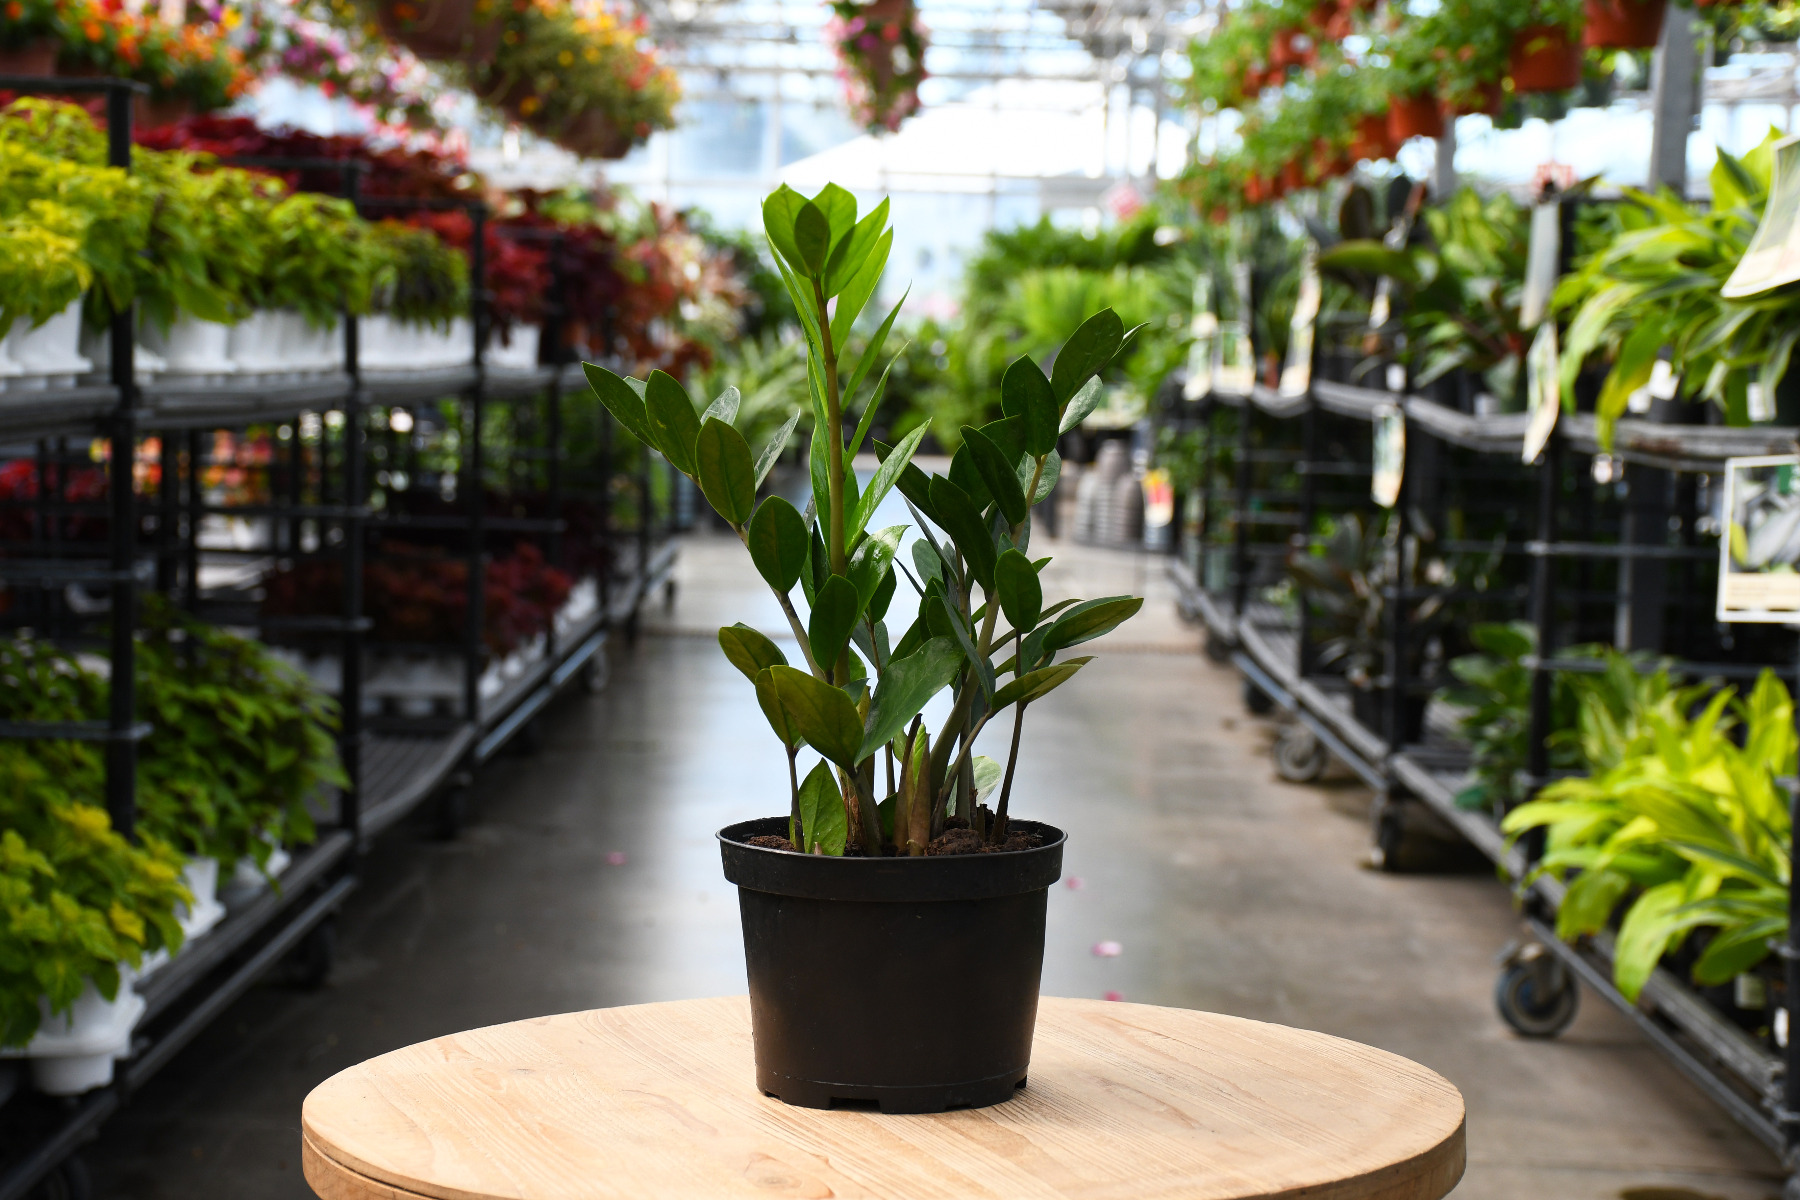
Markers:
{"x": 910, "y": 982}
{"x": 1623, "y": 24}
{"x": 1544, "y": 59}
{"x": 36, "y": 57}
{"x": 1488, "y": 99}
{"x": 593, "y": 134}
{"x": 1414, "y": 116}
{"x": 1371, "y": 141}
{"x": 442, "y": 29}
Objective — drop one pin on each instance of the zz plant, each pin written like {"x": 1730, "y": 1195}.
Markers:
{"x": 983, "y": 631}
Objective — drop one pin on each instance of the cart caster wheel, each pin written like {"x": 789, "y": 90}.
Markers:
{"x": 1257, "y": 701}
{"x": 1536, "y": 995}
{"x": 1390, "y": 832}
{"x": 454, "y": 810}
{"x": 311, "y": 961}
{"x": 1216, "y": 648}
{"x": 1791, "y": 1191}
{"x": 595, "y": 673}
{"x": 1300, "y": 756}
{"x": 69, "y": 1181}
{"x": 669, "y": 595}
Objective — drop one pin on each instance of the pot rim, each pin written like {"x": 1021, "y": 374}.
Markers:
{"x": 903, "y": 879}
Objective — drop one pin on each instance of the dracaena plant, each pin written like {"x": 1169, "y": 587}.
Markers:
{"x": 983, "y": 631}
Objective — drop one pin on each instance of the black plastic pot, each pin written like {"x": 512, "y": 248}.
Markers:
{"x": 909, "y": 982}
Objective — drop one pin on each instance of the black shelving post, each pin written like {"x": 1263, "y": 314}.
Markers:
{"x": 1537, "y": 763}
{"x": 473, "y": 500}
{"x": 1208, "y": 413}
{"x": 121, "y": 747}
{"x": 1309, "y": 510}
{"x": 350, "y": 734}
{"x": 1397, "y": 596}
{"x": 1240, "y": 556}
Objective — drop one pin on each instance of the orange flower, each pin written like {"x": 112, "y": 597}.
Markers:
{"x": 15, "y": 10}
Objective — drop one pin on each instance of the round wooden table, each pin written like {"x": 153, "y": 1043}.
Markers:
{"x": 658, "y": 1102}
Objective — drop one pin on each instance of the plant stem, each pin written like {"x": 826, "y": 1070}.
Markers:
{"x": 793, "y": 617}
{"x": 1012, "y": 760}
{"x": 798, "y": 832}
{"x": 834, "y": 427}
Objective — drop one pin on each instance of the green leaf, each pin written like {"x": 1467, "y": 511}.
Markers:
{"x": 822, "y": 815}
{"x": 1370, "y": 258}
{"x": 672, "y": 420}
{"x": 1047, "y": 477}
{"x": 1085, "y": 622}
{"x": 869, "y": 411}
{"x": 834, "y": 611}
{"x": 749, "y": 651}
{"x": 1036, "y": 684}
{"x": 777, "y": 539}
{"x": 1083, "y": 405}
{"x": 927, "y": 562}
{"x": 1026, "y": 394}
{"x": 850, "y": 253}
{"x": 870, "y": 564}
{"x": 727, "y": 476}
{"x": 621, "y": 400}
{"x": 812, "y": 238}
{"x": 1088, "y": 351}
{"x": 822, "y": 714}
{"x": 997, "y": 473}
{"x": 877, "y": 607}
{"x": 906, "y": 687}
{"x": 768, "y": 698}
{"x": 780, "y": 208}
{"x": 885, "y": 477}
{"x": 839, "y": 207}
{"x": 958, "y": 517}
{"x": 725, "y": 408}
{"x": 1021, "y": 593}
{"x": 772, "y": 452}
{"x": 959, "y": 629}
{"x": 857, "y": 291}
{"x": 872, "y": 352}
{"x": 1127, "y": 344}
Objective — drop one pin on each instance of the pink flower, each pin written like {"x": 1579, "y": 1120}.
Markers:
{"x": 1108, "y": 949}
{"x": 1074, "y": 883}
{"x": 615, "y": 858}
{"x": 1115, "y": 995}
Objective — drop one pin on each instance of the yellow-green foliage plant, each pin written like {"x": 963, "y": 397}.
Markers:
{"x": 1680, "y": 823}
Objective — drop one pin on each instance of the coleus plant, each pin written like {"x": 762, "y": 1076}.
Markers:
{"x": 859, "y": 696}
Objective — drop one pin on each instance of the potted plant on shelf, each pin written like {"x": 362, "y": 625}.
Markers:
{"x": 30, "y": 33}
{"x": 443, "y": 29}
{"x": 894, "y": 941}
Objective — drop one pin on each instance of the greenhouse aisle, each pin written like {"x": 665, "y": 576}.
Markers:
{"x": 589, "y": 877}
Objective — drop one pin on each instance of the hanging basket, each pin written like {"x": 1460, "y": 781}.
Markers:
{"x": 1543, "y": 59}
{"x": 1488, "y": 99}
{"x": 440, "y": 29}
{"x": 594, "y": 134}
{"x": 1623, "y": 24}
{"x": 153, "y": 112}
{"x": 1415, "y": 116}
{"x": 36, "y": 57}
{"x": 1371, "y": 141}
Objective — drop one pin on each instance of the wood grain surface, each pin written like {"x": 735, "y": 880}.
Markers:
{"x": 659, "y": 1102}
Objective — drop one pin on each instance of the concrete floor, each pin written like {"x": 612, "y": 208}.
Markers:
{"x": 590, "y": 878}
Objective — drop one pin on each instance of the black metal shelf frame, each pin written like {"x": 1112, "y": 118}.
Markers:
{"x": 394, "y": 766}
{"x": 1574, "y": 578}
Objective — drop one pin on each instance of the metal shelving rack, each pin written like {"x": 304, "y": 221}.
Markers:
{"x": 1581, "y": 568}
{"x": 394, "y": 766}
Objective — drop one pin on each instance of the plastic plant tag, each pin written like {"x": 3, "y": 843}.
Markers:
{"x": 1390, "y": 456}
{"x": 1774, "y": 254}
{"x": 1235, "y": 374}
{"x": 1296, "y": 374}
{"x": 1543, "y": 392}
{"x": 1205, "y": 332}
{"x": 1541, "y": 261}
{"x": 1759, "y": 551}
